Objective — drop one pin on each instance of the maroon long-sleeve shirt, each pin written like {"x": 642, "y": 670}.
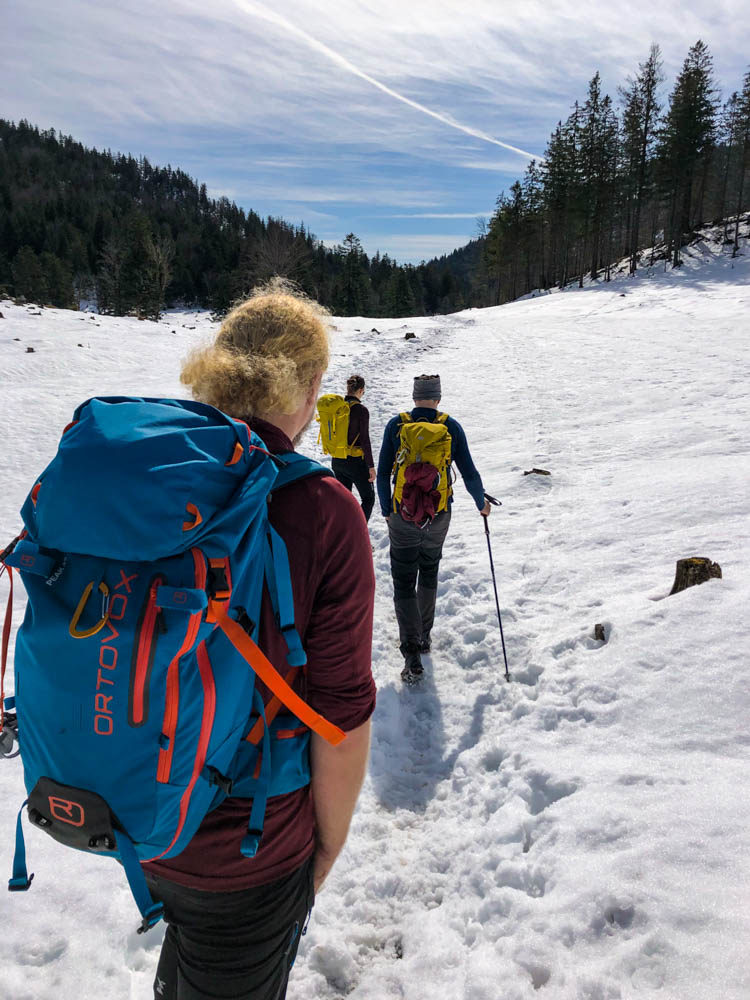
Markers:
{"x": 359, "y": 428}
{"x": 334, "y": 585}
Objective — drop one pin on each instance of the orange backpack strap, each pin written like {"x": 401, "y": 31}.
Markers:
{"x": 273, "y": 680}
{"x": 272, "y": 710}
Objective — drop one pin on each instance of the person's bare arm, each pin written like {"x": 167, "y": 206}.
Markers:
{"x": 337, "y": 776}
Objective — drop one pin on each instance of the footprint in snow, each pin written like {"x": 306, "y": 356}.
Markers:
{"x": 543, "y": 792}
{"x": 38, "y": 954}
{"x": 476, "y": 634}
{"x": 336, "y": 964}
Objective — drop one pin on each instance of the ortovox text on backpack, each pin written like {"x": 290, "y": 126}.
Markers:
{"x": 146, "y": 548}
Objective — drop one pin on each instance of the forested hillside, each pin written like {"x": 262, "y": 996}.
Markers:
{"x": 80, "y": 224}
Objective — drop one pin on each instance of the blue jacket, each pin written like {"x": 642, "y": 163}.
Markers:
{"x": 459, "y": 454}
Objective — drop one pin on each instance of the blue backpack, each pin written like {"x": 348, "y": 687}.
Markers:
{"x": 146, "y": 549}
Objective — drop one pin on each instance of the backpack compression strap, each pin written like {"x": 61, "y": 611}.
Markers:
{"x": 294, "y": 468}
{"x": 273, "y": 680}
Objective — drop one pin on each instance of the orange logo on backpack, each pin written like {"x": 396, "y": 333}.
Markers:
{"x": 66, "y": 811}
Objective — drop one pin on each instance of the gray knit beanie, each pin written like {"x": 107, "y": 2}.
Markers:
{"x": 426, "y": 387}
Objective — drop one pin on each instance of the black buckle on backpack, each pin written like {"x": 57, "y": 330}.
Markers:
{"x": 151, "y": 918}
{"x": 9, "y": 548}
{"x": 218, "y": 583}
{"x": 215, "y": 777}
{"x": 245, "y": 621}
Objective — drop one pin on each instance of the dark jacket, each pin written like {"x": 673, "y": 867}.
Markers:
{"x": 459, "y": 454}
{"x": 359, "y": 429}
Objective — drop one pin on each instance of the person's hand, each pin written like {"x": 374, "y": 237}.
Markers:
{"x": 373, "y": 475}
{"x": 322, "y": 865}
{"x": 485, "y": 511}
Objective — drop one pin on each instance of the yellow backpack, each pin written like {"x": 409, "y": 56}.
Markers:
{"x": 333, "y": 417}
{"x": 424, "y": 441}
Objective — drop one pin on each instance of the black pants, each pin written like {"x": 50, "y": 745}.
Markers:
{"x": 353, "y": 471}
{"x": 415, "y": 560}
{"x": 231, "y": 945}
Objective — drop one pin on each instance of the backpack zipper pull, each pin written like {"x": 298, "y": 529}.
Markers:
{"x": 161, "y": 622}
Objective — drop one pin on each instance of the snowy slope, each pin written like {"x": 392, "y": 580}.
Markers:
{"x": 580, "y": 833}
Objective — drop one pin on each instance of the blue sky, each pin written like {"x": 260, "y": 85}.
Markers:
{"x": 399, "y": 121}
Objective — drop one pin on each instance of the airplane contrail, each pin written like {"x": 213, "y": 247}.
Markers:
{"x": 260, "y": 10}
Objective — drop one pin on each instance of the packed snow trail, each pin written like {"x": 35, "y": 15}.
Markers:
{"x": 580, "y": 833}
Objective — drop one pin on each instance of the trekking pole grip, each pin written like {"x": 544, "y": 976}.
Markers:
{"x": 495, "y": 503}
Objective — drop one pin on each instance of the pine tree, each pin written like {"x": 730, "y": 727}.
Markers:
{"x": 639, "y": 126}
{"x": 743, "y": 143}
{"x": 399, "y": 295}
{"x": 28, "y": 276}
{"x": 58, "y": 280}
{"x": 686, "y": 140}
{"x": 159, "y": 273}
{"x": 597, "y": 157}
{"x": 111, "y": 294}
{"x": 728, "y": 136}
{"x": 533, "y": 193}
{"x": 354, "y": 285}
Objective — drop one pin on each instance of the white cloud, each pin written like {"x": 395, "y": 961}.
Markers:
{"x": 492, "y": 70}
{"x": 440, "y": 215}
{"x": 311, "y": 104}
{"x": 359, "y": 193}
{"x": 260, "y": 10}
{"x": 415, "y": 247}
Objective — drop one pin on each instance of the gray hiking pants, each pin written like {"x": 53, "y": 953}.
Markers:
{"x": 415, "y": 559}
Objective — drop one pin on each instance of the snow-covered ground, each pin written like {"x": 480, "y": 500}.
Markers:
{"x": 582, "y": 833}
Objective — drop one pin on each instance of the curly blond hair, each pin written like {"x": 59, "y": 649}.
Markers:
{"x": 267, "y": 354}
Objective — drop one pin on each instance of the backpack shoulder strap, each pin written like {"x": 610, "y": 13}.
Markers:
{"x": 405, "y": 418}
{"x": 441, "y": 418}
{"x": 278, "y": 578}
{"x": 295, "y": 467}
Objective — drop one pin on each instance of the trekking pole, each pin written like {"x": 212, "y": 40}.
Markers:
{"x": 496, "y": 503}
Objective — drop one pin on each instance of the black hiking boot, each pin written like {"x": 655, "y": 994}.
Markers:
{"x": 413, "y": 669}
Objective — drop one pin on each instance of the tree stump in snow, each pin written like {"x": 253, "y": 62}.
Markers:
{"x": 692, "y": 571}
{"x": 537, "y": 472}
{"x": 599, "y": 633}
{"x": 409, "y": 336}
